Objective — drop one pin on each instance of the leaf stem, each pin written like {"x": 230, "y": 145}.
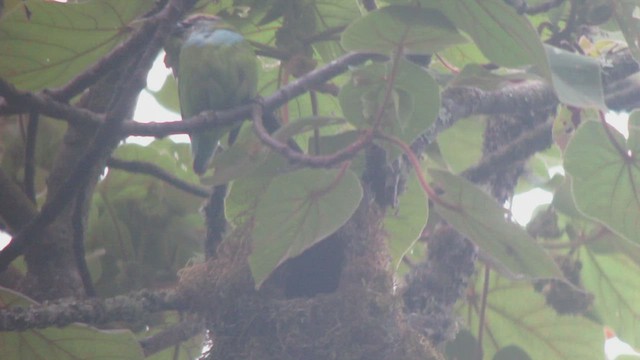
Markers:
{"x": 418, "y": 169}
{"x": 483, "y": 310}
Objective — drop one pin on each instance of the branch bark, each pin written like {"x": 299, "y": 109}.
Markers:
{"x": 131, "y": 307}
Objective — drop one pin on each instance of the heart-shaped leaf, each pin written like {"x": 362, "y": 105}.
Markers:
{"x": 412, "y": 107}
{"x": 298, "y": 210}
{"x": 605, "y": 173}
{"x": 413, "y": 29}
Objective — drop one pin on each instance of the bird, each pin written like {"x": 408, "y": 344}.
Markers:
{"x": 216, "y": 69}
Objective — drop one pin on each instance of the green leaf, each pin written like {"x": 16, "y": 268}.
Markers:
{"x": 77, "y": 35}
{"x": 564, "y": 202}
{"x": 246, "y": 191}
{"x": 246, "y": 155}
{"x": 481, "y": 219}
{"x": 330, "y": 143}
{"x": 461, "y": 144}
{"x": 298, "y": 210}
{"x": 71, "y": 342}
{"x": 614, "y": 279}
{"x": 476, "y": 76}
{"x": 403, "y": 225}
{"x": 304, "y": 125}
{"x": 167, "y": 96}
{"x": 605, "y": 178}
{"x": 629, "y": 24}
{"x": 413, "y": 29}
{"x": 460, "y": 56}
{"x": 464, "y": 346}
{"x": 517, "y": 315}
{"x": 413, "y": 106}
{"x": 504, "y": 37}
{"x": 577, "y": 79}
{"x": 185, "y": 350}
{"x": 511, "y": 352}
{"x": 248, "y": 152}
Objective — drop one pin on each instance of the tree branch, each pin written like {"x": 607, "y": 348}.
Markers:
{"x": 150, "y": 169}
{"x": 16, "y": 101}
{"x": 304, "y": 159}
{"x": 462, "y": 102}
{"x": 29, "y": 156}
{"x": 77, "y": 223}
{"x": 106, "y": 138}
{"x": 207, "y": 119}
{"x": 131, "y": 307}
{"x": 527, "y": 144}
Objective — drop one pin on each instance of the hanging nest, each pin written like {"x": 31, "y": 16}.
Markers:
{"x": 361, "y": 318}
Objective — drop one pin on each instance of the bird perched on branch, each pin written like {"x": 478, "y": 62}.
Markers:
{"x": 216, "y": 70}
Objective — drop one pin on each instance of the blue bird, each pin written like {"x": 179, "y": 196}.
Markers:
{"x": 216, "y": 70}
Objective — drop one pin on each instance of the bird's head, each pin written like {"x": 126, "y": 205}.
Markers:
{"x": 182, "y": 30}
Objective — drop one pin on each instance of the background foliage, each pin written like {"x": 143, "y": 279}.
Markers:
{"x": 441, "y": 112}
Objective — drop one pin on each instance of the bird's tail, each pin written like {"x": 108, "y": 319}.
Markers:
{"x": 202, "y": 154}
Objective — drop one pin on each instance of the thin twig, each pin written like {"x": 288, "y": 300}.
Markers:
{"x": 77, "y": 223}
{"x": 29, "y": 156}
{"x": 268, "y": 51}
{"x": 413, "y": 159}
{"x": 483, "y": 310}
{"x": 142, "y": 167}
{"x": 326, "y": 35}
{"x": 294, "y": 156}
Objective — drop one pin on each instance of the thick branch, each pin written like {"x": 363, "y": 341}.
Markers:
{"x": 462, "y": 102}
{"x": 131, "y": 307}
{"x": 527, "y": 144}
{"x": 481, "y": 100}
{"x": 18, "y": 101}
